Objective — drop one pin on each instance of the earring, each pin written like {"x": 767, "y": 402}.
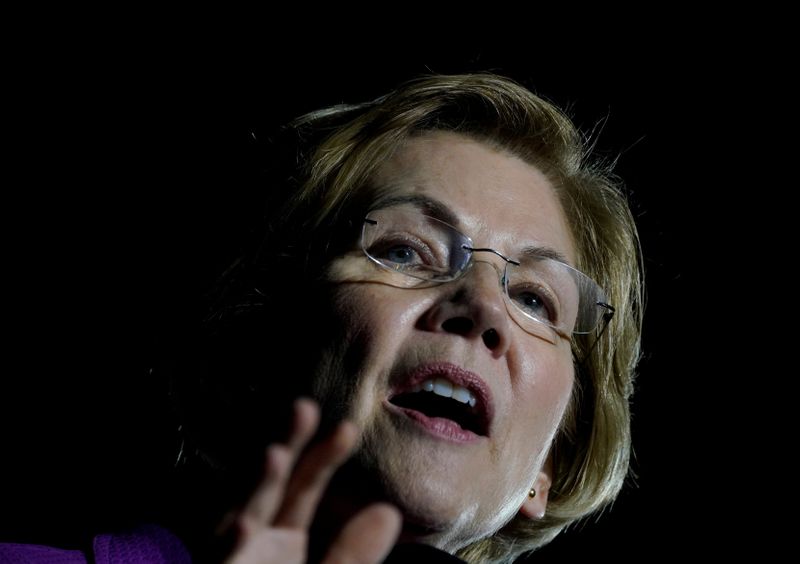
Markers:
{"x": 532, "y": 493}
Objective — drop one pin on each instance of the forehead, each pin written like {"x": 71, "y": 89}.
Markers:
{"x": 498, "y": 199}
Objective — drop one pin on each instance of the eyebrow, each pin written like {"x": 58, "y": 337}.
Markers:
{"x": 430, "y": 206}
{"x": 441, "y": 211}
{"x": 544, "y": 252}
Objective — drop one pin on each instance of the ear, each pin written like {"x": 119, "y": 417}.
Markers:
{"x": 534, "y": 507}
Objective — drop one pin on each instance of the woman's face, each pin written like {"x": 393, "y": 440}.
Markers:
{"x": 457, "y": 471}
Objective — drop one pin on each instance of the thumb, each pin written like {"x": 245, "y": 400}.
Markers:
{"x": 368, "y": 537}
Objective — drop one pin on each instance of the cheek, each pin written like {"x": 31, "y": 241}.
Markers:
{"x": 367, "y": 327}
{"x": 554, "y": 382}
{"x": 542, "y": 393}
{"x": 377, "y": 313}
{"x": 344, "y": 324}
{"x": 363, "y": 311}
{"x": 545, "y": 373}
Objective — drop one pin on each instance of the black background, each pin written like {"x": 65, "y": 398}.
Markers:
{"x": 133, "y": 188}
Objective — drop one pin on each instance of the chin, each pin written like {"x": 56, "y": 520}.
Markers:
{"x": 446, "y": 527}
{"x": 429, "y": 508}
{"x": 438, "y": 505}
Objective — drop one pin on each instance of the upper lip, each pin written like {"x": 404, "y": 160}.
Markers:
{"x": 484, "y": 407}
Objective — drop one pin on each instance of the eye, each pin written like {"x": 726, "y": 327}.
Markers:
{"x": 535, "y": 301}
{"x": 401, "y": 254}
{"x": 403, "y": 251}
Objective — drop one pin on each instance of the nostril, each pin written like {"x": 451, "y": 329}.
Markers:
{"x": 458, "y": 325}
{"x": 491, "y": 339}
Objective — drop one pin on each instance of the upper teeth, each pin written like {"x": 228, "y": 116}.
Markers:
{"x": 446, "y": 389}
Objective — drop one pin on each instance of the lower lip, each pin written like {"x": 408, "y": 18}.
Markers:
{"x": 439, "y": 427}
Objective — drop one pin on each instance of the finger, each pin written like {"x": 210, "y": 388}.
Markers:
{"x": 263, "y": 505}
{"x": 272, "y": 546}
{"x": 268, "y": 496}
{"x": 304, "y": 423}
{"x": 312, "y": 474}
{"x": 368, "y": 537}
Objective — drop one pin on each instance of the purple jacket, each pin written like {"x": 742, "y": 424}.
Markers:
{"x": 149, "y": 544}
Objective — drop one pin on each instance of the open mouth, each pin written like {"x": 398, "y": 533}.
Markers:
{"x": 447, "y": 396}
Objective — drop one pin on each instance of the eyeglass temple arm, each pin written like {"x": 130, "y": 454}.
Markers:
{"x": 609, "y": 313}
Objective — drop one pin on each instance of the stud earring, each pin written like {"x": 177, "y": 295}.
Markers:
{"x": 532, "y": 493}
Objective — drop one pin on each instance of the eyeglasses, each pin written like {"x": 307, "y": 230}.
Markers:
{"x": 540, "y": 291}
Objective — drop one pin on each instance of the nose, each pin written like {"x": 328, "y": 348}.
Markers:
{"x": 473, "y": 307}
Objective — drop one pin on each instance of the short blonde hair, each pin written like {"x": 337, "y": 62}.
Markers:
{"x": 591, "y": 451}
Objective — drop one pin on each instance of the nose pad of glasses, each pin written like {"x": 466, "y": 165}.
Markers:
{"x": 499, "y": 273}
{"x": 498, "y": 269}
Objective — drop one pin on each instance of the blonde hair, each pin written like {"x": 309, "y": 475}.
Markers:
{"x": 591, "y": 451}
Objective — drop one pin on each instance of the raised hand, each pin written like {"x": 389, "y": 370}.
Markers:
{"x": 274, "y": 525}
